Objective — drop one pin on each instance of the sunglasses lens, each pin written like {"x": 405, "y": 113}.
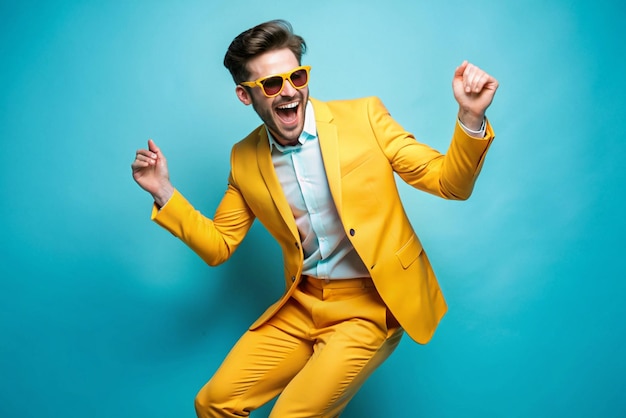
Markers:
{"x": 272, "y": 85}
{"x": 299, "y": 78}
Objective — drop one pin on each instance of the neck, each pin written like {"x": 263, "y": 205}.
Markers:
{"x": 284, "y": 142}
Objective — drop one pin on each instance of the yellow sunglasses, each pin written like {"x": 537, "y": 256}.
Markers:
{"x": 272, "y": 85}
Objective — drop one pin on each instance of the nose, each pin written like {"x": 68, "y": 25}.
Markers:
{"x": 288, "y": 89}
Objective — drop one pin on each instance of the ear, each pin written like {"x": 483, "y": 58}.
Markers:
{"x": 243, "y": 95}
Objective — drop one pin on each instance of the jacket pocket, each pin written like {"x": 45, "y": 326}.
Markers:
{"x": 355, "y": 162}
{"x": 409, "y": 251}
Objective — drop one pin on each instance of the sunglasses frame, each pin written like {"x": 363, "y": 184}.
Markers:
{"x": 285, "y": 76}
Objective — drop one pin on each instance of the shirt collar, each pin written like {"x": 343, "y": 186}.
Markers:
{"x": 308, "y": 132}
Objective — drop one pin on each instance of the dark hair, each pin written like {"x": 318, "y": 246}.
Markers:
{"x": 268, "y": 36}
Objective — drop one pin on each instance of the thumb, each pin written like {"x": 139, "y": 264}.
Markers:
{"x": 160, "y": 158}
{"x": 153, "y": 147}
{"x": 458, "y": 73}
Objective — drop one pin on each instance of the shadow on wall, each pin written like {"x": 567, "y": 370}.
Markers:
{"x": 242, "y": 289}
{"x": 253, "y": 277}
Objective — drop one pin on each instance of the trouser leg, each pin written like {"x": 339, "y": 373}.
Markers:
{"x": 352, "y": 339}
{"x": 257, "y": 369}
{"x": 316, "y": 353}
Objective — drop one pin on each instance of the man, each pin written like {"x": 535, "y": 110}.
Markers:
{"x": 320, "y": 177}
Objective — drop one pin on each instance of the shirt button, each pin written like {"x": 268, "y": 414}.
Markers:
{"x": 352, "y": 232}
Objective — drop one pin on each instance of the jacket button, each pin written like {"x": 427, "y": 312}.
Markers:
{"x": 297, "y": 245}
{"x": 352, "y": 232}
{"x": 293, "y": 278}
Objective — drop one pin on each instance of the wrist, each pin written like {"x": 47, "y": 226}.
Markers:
{"x": 471, "y": 120}
{"x": 163, "y": 195}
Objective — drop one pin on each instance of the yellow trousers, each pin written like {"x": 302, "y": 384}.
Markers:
{"x": 315, "y": 353}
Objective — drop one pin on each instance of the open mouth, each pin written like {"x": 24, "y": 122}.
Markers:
{"x": 288, "y": 113}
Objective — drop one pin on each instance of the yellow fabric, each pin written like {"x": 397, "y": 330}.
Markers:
{"x": 362, "y": 146}
{"x": 316, "y": 352}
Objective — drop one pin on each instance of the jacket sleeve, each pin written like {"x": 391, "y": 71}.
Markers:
{"x": 451, "y": 176}
{"x": 214, "y": 240}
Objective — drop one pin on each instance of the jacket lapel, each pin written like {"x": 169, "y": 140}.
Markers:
{"x": 329, "y": 145}
{"x": 266, "y": 167}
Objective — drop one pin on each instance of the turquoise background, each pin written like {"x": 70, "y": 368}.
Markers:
{"x": 104, "y": 314}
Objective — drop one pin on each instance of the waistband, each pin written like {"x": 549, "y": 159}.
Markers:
{"x": 361, "y": 282}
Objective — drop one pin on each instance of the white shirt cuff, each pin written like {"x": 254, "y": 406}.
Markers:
{"x": 475, "y": 134}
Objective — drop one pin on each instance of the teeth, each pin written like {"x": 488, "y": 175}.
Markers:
{"x": 289, "y": 106}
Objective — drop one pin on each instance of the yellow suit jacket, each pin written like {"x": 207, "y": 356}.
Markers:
{"x": 362, "y": 147}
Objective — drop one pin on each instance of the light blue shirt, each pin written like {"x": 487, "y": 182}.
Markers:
{"x": 328, "y": 253}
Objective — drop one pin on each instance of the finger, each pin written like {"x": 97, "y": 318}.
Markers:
{"x": 146, "y": 158}
{"x": 475, "y": 79}
{"x": 469, "y": 77}
{"x": 145, "y": 153}
{"x": 478, "y": 81}
{"x": 138, "y": 165}
{"x": 484, "y": 81}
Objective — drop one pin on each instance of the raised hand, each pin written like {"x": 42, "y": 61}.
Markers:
{"x": 474, "y": 90}
{"x": 151, "y": 173}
